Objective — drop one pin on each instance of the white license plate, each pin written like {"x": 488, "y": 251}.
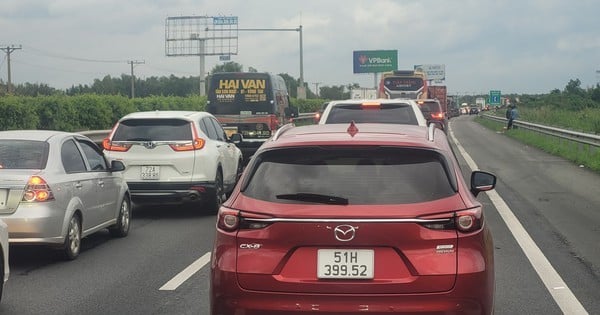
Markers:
{"x": 150, "y": 172}
{"x": 345, "y": 263}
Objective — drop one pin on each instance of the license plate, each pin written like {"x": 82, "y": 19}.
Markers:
{"x": 345, "y": 263}
{"x": 150, "y": 172}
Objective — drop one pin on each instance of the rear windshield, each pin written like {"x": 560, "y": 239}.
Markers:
{"x": 386, "y": 113}
{"x": 430, "y": 107}
{"x": 369, "y": 175}
{"x": 23, "y": 154}
{"x": 153, "y": 130}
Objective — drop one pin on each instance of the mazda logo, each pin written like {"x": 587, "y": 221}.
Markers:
{"x": 344, "y": 233}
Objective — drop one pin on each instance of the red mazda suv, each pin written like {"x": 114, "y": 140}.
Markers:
{"x": 354, "y": 219}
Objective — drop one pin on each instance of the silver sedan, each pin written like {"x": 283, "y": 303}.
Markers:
{"x": 58, "y": 187}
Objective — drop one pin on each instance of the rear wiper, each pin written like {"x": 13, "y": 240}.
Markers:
{"x": 308, "y": 197}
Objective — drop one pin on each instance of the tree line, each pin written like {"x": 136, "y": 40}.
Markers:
{"x": 166, "y": 86}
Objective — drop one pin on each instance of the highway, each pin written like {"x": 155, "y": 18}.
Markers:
{"x": 547, "y": 258}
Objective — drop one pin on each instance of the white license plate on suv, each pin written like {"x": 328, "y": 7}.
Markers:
{"x": 345, "y": 263}
{"x": 150, "y": 172}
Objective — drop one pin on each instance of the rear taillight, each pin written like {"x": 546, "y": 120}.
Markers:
{"x": 437, "y": 115}
{"x": 196, "y": 144}
{"x": 469, "y": 220}
{"x": 370, "y": 105}
{"x": 273, "y": 122}
{"x": 110, "y": 146}
{"x": 464, "y": 221}
{"x": 37, "y": 190}
{"x": 231, "y": 220}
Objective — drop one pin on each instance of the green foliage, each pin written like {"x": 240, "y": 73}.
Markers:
{"x": 17, "y": 114}
{"x": 307, "y": 105}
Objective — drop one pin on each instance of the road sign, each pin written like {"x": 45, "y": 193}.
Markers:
{"x": 495, "y": 97}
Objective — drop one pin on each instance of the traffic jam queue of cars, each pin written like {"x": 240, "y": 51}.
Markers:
{"x": 366, "y": 211}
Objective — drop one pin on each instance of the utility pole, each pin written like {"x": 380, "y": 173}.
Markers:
{"x": 8, "y": 50}
{"x": 133, "y": 62}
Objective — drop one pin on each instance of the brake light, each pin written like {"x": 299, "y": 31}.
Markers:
{"x": 469, "y": 220}
{"x": 231, "y": 220}
{"x": 37, "y": 190}
{"x": 370, "y": 105}
{"x": 109, "y": 146}
{"x": 437, "y": 115}
{"x": 228, "y": 219}
{"x": 273, "y": 122}
{"x": 464, "y": 221}
{"x": 196, "y": 144}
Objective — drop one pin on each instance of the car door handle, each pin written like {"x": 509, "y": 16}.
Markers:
{"x": 101, "y": 183}
{"x": 78, "y": 185}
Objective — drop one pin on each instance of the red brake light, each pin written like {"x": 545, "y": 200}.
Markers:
{"x": 196, "y": 144}
{"x": 109, "y": 146}
{"x": 228, "y": 220}
{"x": 370, "y": 105}
{"x": 469, "y": 220}
{"x": 273, "y": 122}
{"x": 437, "y": 115}
{"x": 37, "y": 190}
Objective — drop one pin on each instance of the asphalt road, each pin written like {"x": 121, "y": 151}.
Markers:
{"x": 160, "y": 267}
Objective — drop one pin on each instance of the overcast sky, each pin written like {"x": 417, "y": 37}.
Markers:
{"x": 520, "y": 46}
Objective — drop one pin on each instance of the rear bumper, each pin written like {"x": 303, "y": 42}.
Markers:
{"x": 468, "y": 297}
{"x": 249, "y": 147}
{"x": 161, "y": 193}
{"x": 38, "y": 223}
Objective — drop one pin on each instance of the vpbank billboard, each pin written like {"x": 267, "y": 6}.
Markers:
{"x": 375, "y": 61}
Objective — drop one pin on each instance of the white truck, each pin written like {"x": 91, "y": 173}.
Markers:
{"x": 363, "y": 94}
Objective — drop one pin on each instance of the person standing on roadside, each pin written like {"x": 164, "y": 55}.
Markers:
{"x": 511, "y": 114}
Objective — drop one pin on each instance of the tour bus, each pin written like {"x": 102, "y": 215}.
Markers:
{"x": 411, "y": 84}
{"x": 252, "y": 104}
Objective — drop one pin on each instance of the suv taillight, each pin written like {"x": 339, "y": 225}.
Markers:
{"x": 273, "y": 122}
{"x": 231, "y": 220}
{"x": 110, "y": 146}
{"x": 37, "y": 190}
{"x": 465, "y": 221}
{"x": 196, "y": 144}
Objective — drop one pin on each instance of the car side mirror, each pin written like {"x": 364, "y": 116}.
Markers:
{"x": 117, "y": 166}
{"x": 482, "y": 181}
{"x": 236, "y": 138}
{"x": 291, "y": 112}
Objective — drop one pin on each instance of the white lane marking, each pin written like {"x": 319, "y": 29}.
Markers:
{"x": 186, "y": 273}
{"x": 559, "y": 290}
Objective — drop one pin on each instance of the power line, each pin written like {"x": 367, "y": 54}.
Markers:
{"x": 66, "y": 57}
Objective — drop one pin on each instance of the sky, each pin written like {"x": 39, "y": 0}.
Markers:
{"x": 515, "y": 46}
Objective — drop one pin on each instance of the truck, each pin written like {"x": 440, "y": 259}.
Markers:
{"x": 480, "y": 103}
{"x": 363, "y": 93}
{"x": 440, "y": 93}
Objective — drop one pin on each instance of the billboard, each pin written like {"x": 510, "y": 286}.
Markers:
{"x": 375, "y": 61}
{"x": 433, "y": 72}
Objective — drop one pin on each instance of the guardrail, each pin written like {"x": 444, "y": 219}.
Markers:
{"x": 580, "y": 137}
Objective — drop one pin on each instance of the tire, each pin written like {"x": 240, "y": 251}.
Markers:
{"x": 72, "y": 244}
{"x": 219, "y": 197}
{"x": 121, "y": 228}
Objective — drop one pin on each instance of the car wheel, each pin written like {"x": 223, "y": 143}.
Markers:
{"x": 121, "y": 228}
{"x": 72, "y": 244}
{"x": 219, "y": 197}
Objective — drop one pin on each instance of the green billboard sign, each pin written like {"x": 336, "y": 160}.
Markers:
{"x": 495, "y": 97}
{"x": 375, "y": 61}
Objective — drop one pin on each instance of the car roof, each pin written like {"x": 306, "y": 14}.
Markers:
{"x": 188, "y": 115}
{"x": 365, "y": 134}
{"x": 36, "y": 135}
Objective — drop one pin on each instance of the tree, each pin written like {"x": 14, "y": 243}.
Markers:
{"x": 574, "y": 88}
{"x": 334, "y": 92}
{"x": 230, "y": 66}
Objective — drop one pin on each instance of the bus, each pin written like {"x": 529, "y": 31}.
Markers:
{"x": 411, "y": 84}
{"x": 253, "y": 104}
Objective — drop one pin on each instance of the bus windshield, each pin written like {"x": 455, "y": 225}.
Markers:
{"x": 240, "y": 94}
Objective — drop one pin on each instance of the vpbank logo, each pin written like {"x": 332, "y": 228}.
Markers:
{"x": 362, "y": 59}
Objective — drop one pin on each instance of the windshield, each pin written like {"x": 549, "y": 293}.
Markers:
{"x": 397, "y": 113}
{"x": 153, "y": 130}
{"x": 368, "y": 175}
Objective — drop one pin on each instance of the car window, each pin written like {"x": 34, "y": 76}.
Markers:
{"x": 431, "y": 107}
{"x": 95, "y": 158}
{"x": 210, "y": 129}
{"x": 23, "y": 154}
{"x": 153, "y": 130}
{"x": 363, "y": 176}
{"x": 218, "y": 129}
{"x": 71, "y": 158}
{"x": 386, "y": 113}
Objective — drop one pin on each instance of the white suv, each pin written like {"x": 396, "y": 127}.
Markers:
{"x": 386, "y": 111}
{"x": 175, "y": 157}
